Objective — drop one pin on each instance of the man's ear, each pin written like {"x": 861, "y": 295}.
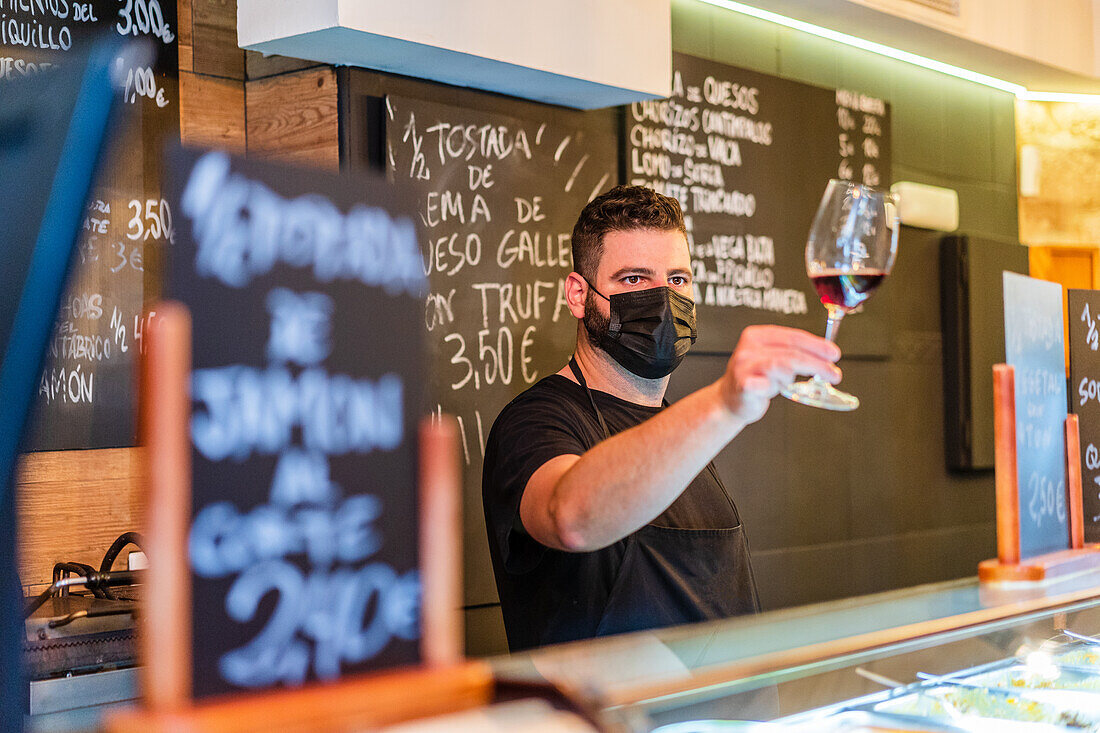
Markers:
{"x": 576, "y": 290}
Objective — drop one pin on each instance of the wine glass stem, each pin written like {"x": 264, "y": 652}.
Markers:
{"x": 835, "y": 314}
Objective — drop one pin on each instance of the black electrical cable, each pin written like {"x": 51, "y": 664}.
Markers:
{"x": 97, "y": 583}
{"x": 93, "y": 581}
{"x": 126, "y": 538}
{"x": 80, "y": 570}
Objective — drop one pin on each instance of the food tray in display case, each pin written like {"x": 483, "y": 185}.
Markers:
{"x": 1003, "y": 696}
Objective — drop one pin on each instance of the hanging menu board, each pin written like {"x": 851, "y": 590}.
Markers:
{"x": 497, "y": 198}
{"x": 1035, "y": 349}
{"x": 86, "y": 392}
{"x": 1084, "y": 398}
{"x": 748, "y": 157}
{"x": 306, "y": 294}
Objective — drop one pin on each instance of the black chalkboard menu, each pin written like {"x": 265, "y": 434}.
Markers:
{"x": 748, "y": 157}
{"x": 1084, "y": 398}
{"x": 306, "y": 294}
{"x": 497, "y": 198}
{"x": 86, "y": 392}
{"x": 1036, "y": 351}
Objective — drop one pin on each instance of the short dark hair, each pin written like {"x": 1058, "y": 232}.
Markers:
{"x": 621, "y": 209}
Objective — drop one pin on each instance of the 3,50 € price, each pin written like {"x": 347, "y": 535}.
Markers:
{"x": 496, "y": 357}
{"x": 153, "y": 221}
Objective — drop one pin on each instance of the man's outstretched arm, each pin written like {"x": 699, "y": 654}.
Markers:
{"x": 583, "y": 503}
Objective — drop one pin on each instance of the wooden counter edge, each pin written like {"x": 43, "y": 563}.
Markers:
{"x": 1041, "y": 567}
{"x": 375, "y": 700}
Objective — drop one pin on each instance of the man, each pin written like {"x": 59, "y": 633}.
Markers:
{"x": 605, "y": 513}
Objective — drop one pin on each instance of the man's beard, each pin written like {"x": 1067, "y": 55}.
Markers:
{"x": 596, "y": 324}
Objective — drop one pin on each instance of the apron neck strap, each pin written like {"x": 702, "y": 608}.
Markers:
{"x": 575, "y": 368}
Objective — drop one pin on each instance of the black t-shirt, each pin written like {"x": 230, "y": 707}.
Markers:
{"x": 549, "y": 596}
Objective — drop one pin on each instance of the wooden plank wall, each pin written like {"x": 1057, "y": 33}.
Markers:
{"x": 73, "y": 504}
{"x": 269, "y": 107}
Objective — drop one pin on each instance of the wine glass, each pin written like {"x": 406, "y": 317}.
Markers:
{"x": 850, "y": 250}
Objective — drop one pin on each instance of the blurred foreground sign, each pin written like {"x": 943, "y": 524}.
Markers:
{"x": 306, "y": 295}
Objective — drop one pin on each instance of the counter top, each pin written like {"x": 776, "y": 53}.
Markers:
{"x": 752, "y": 651}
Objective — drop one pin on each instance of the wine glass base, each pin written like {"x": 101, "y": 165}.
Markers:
{"x": 817, "y": 393}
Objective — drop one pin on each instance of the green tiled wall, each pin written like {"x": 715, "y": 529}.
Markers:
{"x": 946, "y": 131}
{"x": 886, "y": 513}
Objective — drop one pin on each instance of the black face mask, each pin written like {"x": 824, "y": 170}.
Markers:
{"x": 650, "y": 331}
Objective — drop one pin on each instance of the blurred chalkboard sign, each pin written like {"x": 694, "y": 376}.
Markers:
{"x": 1035, "y": 350}
{"x": 1084, "y": 398}
{"x": 748, "y": 157}
{"x": 85, "y": 395}
{"x": 306, "y": 293}
{"x": 497, "y": 197}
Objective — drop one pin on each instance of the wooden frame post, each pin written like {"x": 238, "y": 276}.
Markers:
{"x": 1074, "y": 497}
{"x": 165, "y": 417}
{"x": 1004, "y": 437}
{"x": 441, "y": 641}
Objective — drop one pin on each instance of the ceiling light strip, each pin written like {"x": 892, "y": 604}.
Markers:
{"x": 1031, "y": 96}
{"x": 895, "y": 53}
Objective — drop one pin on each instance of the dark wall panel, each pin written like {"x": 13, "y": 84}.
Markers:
{"x": 837, "y": 505}
{"x": 817, "y": 489}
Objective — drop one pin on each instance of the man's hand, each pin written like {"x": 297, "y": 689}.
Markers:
{"x": 766, "y": 360}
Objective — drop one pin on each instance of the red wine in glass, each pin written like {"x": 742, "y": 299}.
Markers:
{"x": 846, "y": 290}
{"x": 849, "y": 252}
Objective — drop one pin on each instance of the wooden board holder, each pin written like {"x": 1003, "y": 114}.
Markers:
{"x": 358, "y": 703}
{"x": 1008, "y": 566}
{"x": 445, "y": 683}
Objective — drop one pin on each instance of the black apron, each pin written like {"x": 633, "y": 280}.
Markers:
{"x": 671, "y": 576}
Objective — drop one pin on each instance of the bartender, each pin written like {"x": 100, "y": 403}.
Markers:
{"x": 604, "y": 510}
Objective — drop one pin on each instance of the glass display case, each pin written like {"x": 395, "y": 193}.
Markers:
{"x": 954, "y": 656}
